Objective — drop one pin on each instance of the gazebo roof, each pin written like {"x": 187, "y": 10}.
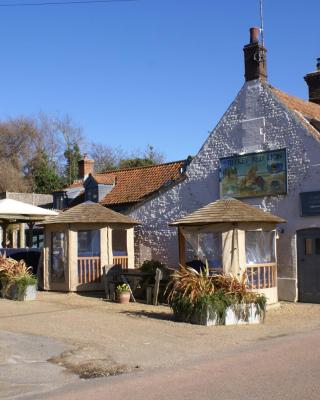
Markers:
{"x": 229, "y": 211}
{"x": 18, "y": 211}
{"x": 90, "y": 212}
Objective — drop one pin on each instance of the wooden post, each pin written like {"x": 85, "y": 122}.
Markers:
{"x": 182, "y": 247}
{"x": 4, "y": 234}
{"x": 22, "y": 238}
{"x": 157, "y": 286}
{"x": 30, "y": 236}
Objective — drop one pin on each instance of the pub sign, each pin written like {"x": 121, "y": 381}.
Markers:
{"x": 254, "y": 174}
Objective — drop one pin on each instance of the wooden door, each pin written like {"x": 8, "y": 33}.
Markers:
{"x": 308, "y": 242}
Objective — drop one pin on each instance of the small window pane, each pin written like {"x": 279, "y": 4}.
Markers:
{"x": 317, "y": 246}
{"x": 119, "y": 242}
{"x": 89, "y": 243}
{"x": 260, "y": 247}
{"x": 308, "y": 247}
{"x": 57, "y": 257}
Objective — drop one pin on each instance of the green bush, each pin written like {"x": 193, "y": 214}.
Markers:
{"x": 196, "y": 295}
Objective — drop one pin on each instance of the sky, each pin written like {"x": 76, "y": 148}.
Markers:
{"x": 159, "y": 72}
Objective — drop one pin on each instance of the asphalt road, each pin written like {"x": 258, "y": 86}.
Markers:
{"x": 285, "y": 367}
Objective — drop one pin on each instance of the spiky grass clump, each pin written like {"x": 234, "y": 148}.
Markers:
{"x": 15, "y": 273}
{"x": 197, "y": 293}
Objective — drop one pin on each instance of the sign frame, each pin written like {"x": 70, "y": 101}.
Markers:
{"x": 254, "y": 195}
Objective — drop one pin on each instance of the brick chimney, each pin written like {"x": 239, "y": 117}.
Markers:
{"x": 313, "y": 82}
{"x": 85, "y": 167}
{"x": 255, "y": 60}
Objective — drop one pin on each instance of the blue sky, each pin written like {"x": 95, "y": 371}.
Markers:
{"x": 158, "y": 72}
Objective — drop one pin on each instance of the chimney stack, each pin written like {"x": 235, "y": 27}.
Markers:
{"x": 85, "y": 167}
{"x": 313, "y": 82}
{"x": 255, "y": 61}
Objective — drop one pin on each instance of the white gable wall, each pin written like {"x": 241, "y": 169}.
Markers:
{"x": 255, "y": 121}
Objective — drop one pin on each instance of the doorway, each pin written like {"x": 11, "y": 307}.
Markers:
{"x": 308, "y": 243}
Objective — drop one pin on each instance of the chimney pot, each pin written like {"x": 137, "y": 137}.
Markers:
{"x": 254, "y": 35}
{"x": 318, "y": 64}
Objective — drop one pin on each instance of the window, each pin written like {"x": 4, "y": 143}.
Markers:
{"x": 89, "y": 243}
{"x": 119, "y": 242}
{"x": 260, "y": 247}
{"x": 308, "y": 247}
{"x": 92, "y": 194}
{"x": 57, "y": 257}
{"x": 59, "y": 200}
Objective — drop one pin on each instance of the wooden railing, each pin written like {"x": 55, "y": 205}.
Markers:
{"x": 89, "y": 270}
{"x": 262, "y": 276}
{"x": 121, "y": 260}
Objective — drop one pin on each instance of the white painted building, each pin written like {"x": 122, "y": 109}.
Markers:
{"x": 261, "y": 118}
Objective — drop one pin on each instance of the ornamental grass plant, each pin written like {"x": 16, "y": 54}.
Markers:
{"x": 193, "y": 295}
{"x": 15, "y": 274}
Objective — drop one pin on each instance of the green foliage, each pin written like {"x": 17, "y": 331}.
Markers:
{"x": 149, "y": 157}
{"x": 123, "y": 288}
{"x": 43, "y": 172}
{"x": 22, "y": 282}
{"x": 197, "y": 296}
{"x": 72, "y": 156}
{"x": 14, "y": 274}
{"x": 136, "y": 162}
{"x": 150, "y": 266}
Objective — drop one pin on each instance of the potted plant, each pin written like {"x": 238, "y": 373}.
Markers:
{"x": 198, "y": 298}
{"x": 17, "y": 281}
{"x": 123, "y": 293}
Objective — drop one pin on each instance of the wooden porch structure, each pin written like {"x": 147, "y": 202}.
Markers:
{"x": 233, "y": 218}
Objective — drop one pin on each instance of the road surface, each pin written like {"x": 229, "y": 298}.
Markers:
{"x": 284, "y": 368}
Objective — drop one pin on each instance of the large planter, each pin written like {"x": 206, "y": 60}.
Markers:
{"x": 235, "y": 315}
{"x": 124, "y": 297}
{"x": 30, "y": 293}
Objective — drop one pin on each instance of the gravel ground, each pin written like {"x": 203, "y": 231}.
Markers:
{"x": 140, "y": 336}
{"x": 61, "y": 338}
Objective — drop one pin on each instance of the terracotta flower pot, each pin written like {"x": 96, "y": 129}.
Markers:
{"x": 124, "y": 297}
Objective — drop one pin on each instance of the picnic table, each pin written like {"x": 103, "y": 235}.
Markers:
{"x": 136, "y": 280}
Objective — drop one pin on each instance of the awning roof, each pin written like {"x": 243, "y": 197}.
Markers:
{"x": 18, "y": 211}
{"x": 229, "y": 211}
{"x": 90, "y": 212}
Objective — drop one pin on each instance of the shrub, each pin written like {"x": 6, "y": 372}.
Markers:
{"x": 14, "y": 273}
{"x": 196, "y": 293}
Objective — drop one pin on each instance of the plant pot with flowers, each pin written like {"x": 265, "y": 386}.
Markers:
{"x": 123, "y": 293}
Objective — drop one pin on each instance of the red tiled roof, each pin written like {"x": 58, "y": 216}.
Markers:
{"x": 134, "y": 184}
{"x": 310, "y": 111}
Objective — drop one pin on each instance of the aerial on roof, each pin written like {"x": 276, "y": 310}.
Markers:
{"x": 90, "y": 212}
{"x": 227, "y": 210}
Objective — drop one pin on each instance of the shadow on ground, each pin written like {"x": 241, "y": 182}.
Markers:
{"x": 149, "y": 314}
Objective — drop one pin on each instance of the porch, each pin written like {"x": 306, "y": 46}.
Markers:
{"x": 83, "y": 240}
{"x": 234, "y": 238}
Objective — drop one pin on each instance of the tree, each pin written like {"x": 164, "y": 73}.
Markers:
{"x": 149, "y": 157}
{"x": 44, "y": 174}
{"x": 105, "y": 157}
{"x": 12, "y": 179}
{"x": 73, "y": 156}
{"x": 108, "y": 158}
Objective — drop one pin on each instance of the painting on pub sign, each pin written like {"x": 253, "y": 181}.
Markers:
{"x": 254, "y": 174}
